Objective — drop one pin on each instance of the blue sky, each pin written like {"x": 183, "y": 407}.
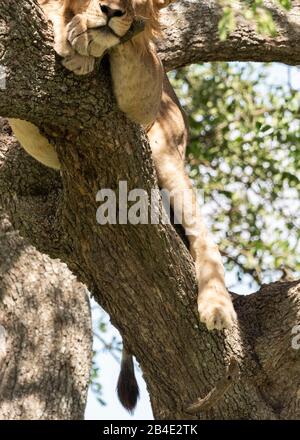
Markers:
{"x": 278, "y": 74}
{"x": 110, "y": 369}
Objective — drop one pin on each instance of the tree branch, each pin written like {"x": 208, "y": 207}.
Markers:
{"x": 45, "y": 344}
{"x": 217, "y": 393}
{"x": 191, "y": 35}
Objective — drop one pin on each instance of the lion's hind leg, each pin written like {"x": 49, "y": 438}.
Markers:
{"x": 34, "y": 142}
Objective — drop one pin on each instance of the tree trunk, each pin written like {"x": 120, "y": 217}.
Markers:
{"x": 142, "y": 275}
{"x": 45, "y": 343}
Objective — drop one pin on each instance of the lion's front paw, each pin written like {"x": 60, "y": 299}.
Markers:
{"x": 79, "y": 64}
{"x": 87, "y": 40}
{"x": 77, "y": 32}
{"x": 62, "y": 47}
{"x": 215, "y": 308}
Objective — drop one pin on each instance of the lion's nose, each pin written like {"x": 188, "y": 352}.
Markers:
{"x": 111, "y": 12}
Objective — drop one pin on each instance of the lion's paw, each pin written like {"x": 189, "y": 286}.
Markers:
{"x": 62, "y": 47}
{"x": 216, "y": 309}
{"x": 79, "y": 64}
{"x": 77, "y": 34}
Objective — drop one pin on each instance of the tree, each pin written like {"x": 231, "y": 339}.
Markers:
{"x": 143, "y": 271}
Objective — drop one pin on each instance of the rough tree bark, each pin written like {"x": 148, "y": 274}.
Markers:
{"x": 191, "y": 35}
{"x": 45, "y": 344}
{"x": 141, "y": 275}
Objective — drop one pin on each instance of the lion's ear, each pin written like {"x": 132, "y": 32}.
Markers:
{"x": 162, "y": 3}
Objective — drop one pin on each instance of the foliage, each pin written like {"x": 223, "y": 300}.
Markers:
{"x": 244, "y": 154}
{"x": 255, "y": 11}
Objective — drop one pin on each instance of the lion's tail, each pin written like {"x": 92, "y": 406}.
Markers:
{"x": 127, "y": 388}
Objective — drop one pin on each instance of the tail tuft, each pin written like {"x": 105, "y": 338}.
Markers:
{"x": 127, "y": 388}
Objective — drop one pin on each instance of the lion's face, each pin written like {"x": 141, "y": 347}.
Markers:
{"x": 98, "y": 25}
{"x": 115, "y": 17}
{"x": 109, "y": 17}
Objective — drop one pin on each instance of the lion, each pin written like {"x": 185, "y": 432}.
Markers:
{"x": 85, "y": 30}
